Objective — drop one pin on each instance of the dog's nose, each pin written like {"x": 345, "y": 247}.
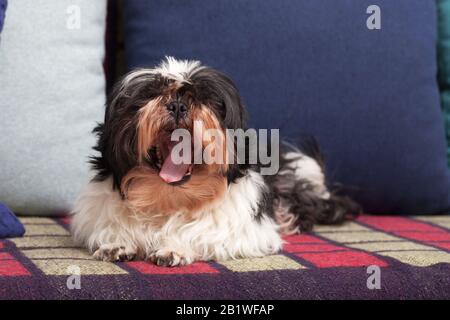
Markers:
{"x": 177, "y": 109}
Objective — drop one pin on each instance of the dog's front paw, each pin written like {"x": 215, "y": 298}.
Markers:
{"x": 167, "y": 258}
{"x": 114, "y": 252}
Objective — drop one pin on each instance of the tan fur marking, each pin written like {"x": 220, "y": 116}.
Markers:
{"x": 147, "y": 193}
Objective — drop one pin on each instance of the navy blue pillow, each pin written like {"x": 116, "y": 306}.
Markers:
{"x": 313, "y": 67}
{"x": 3, "y": 4}
{"x": 10, "y": 226}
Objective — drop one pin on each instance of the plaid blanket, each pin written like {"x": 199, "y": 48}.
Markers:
{"x": 370, "y": 258}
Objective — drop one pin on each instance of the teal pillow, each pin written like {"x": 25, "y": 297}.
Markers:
{"x": 52, "y": 92}
{"x": 444, "y": 63}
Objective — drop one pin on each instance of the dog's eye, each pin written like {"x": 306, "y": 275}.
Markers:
{"x": 167, "y": 81}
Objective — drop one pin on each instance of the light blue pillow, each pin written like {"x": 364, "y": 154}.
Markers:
{"x": 52, "y": 93}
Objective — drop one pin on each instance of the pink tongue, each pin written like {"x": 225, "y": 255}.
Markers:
{"x": 171, "y": 172}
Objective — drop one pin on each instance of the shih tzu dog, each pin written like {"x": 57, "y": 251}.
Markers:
{"x": 143, "y": 204}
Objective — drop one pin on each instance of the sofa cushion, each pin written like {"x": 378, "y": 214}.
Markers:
{"x": 51, "y": 95}
{"x": 314, "y": 67}
{"x": 10, "y": 226}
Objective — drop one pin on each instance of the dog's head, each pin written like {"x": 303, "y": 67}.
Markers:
{"x": 149, "y": 109}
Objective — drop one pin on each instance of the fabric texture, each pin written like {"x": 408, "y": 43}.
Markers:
{"x": 313, "y": 67}
{"x": 444, "y": 63}
{"x": 51, "y": 96}
{"x": 3, "y": 5}
{"x": 9, "y": 225}
{"x": 413, "y": 257}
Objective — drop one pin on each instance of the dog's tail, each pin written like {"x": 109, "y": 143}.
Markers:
{"x": 302, "y": 196}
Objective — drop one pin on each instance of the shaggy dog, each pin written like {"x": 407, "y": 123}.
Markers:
{"x": 144, "y": 204}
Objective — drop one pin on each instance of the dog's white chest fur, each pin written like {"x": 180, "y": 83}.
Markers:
{"x": 230, "y": 229}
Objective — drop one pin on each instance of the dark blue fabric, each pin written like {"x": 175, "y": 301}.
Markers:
{"x": 10, "y": 226}
{"x": 3, "y": 4}
{"x": 313, "y": 67}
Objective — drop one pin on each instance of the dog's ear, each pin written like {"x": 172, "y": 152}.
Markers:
{"x": 116, "y": 137}
{"x": 218, "y": 91}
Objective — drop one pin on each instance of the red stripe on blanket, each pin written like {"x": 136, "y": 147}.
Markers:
{"x": 342, "y": 259}
{"x": 410, "y": 229}
{"x": 6, "y": 256}
{"x": 425, "y": 236}
{"x": 298, "y": 247}
{"x": 324, "y": 254}
{"x": 397, "y": 224}
{"x": 1, "y": 245}
{"x": 12, "y": 268}
{"x": 303, "y": 238}
{"x": 149, "y": 268}
{"x": 65, "y": 220}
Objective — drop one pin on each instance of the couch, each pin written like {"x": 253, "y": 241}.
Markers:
{"x": 376, "y": 99}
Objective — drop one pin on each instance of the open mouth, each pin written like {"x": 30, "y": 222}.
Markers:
{"x": 168, "y": 164}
